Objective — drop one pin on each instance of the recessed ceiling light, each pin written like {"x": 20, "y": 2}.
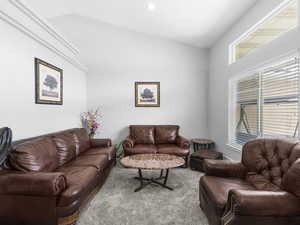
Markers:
{"x": 151, "y": 6}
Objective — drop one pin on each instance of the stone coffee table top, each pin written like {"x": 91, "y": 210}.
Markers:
{"x": 152, "y": 161}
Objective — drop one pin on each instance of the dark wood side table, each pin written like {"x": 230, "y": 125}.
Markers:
{"x": 200, "y": 144}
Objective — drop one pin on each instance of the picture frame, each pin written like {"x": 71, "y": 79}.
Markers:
{"x": 48, "y": 83}
{"x": 147, "y": 94}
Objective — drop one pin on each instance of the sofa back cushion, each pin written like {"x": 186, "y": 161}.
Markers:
{"x": 166, "y": 134}
{"x": 82, "y": 139}
{"x": 291, "y": 180}
{"x": 268, "y": 160}
{"x": 65, "y": 146}
{"x": 142, "y": 134}
{"x": 35, "y": 155}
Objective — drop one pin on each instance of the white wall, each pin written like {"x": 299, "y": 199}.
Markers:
{"x": 221, "y": 72}
{"x": 17, "y": 87}
{"x": 117, "y": 58}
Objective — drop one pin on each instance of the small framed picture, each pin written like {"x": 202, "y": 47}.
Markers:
{"x": 48, "y": 83}
{"x": 147, "y": 94}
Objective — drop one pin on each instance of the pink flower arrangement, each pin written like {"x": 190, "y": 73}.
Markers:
{"x": 90, "y": 120}
{"x": 95, "y": 125}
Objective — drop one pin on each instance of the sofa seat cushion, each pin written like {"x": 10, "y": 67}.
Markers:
{"x": 80, "y": 182}
{"x": 142, "y": 149}
{"x": 36, "y": 155}
{"x": 100, "y": 162}
{"x": 172, "y": 149}
{"x": 142, "y": 134}
{"x": 217, "y": 188}
{"x": 109, "y": 151}
{"x": 166, "y": 134}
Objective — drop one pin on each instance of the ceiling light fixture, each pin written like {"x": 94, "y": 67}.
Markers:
{"x": 151, "y": 6}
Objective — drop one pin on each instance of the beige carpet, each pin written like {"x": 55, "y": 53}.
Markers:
{"x": 118, "y": 204}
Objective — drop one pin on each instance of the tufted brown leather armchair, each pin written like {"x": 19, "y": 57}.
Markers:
{"x": 262, "y": 189}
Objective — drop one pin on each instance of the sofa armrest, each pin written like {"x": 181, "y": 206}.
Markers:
{"x": 128, "y": 143}
{"x": 224, "y": 168}
{"x": 101, "y": 143}
{"x": 32, "y": 183}
{"x": 183, "y": 142}
{"x": 262, "y": 203}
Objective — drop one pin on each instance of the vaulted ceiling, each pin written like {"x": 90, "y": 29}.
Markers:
{"x": 195, "y": 22}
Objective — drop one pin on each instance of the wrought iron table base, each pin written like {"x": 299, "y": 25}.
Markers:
{"x": 146, "y": 181}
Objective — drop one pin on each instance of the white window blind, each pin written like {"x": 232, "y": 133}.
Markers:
{"x": 266, "y": 103}
{"x": 280, "y": 99}
{"x": 246, "y": 109}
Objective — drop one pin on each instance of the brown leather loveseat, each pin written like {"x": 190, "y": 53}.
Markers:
{"x": 264, "y": 189}
{"x": 48, "y": 179}
{"x": 152, "y": 139}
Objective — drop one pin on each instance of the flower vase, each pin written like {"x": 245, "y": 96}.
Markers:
{"x": 92, "y": 134}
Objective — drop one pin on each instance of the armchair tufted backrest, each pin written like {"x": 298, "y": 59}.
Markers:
{"x": 268, "y": 161}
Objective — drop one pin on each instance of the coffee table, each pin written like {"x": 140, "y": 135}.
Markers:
{"x": 152, "y": 162}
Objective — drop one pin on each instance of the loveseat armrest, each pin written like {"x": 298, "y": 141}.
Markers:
{"x": 128, "y": 143}
{"x": 101, "y": 142}
{"x": 262, "y": 203}
{"x": 224, "y": 168}
{"x": 32, "y": 183}
{"x": 182, "y": 142}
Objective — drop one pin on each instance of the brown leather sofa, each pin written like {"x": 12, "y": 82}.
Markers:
{"x": 50, "y": 178}
{"x": 152, "y": 139}
{"x": 263, "y": 189}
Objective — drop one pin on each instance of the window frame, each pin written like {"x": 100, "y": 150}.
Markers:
{"x": 232, "y": 95}
{"x": 232, "y": 46}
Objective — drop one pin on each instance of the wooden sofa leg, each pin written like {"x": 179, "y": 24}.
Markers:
{"x": 69, "y": 220}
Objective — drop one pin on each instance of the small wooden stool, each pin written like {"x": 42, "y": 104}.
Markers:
{"x": 202, "y": 144}
{"x": 197, "y": 158}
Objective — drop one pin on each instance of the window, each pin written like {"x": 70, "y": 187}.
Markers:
{"x": 265, "y": 102}
{"x": 246, "y": 109}
{"x": 280, "y": 21}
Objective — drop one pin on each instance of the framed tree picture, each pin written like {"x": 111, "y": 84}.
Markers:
{"x": 147, "y": 94}
{"x": 48, "y": 83}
